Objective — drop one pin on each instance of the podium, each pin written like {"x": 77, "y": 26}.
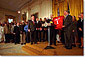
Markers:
{"x": 49, "y": 46}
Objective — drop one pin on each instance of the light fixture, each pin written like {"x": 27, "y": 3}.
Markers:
{"x": 18, "y": 11}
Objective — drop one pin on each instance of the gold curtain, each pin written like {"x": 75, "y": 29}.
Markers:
{"x": 62, "y": 5}
{"x": 76, "y": 7}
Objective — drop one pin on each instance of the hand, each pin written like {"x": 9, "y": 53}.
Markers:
{"x": 40, "y": 29}
{"x": 36, "y": 29}
{"x": 73, "y": 30}
{"x": 80, "y": 29}
{"x": 13, "y": 33}
{"x": 28, "y": 30}
{"x": 63, "y": 26}
{"x": 20, "y": 31}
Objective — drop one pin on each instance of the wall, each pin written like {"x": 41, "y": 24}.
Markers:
{"x": 42, "y": 7}
{"x": 4, "y": 12}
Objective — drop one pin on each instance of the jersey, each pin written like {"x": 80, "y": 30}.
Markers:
{"x": 58, "y": 22}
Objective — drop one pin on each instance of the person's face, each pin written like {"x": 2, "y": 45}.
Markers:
{"x": 40, "y": 19}
{"x": 79, "y": 16}
{"x": 5, "y": 24}
{"x": 82, "y": 16}
{"x": 17, "y": 24}
{"x": 73, "y": 18}
{"x": 22, "y": 23}
{"x": 32, "y": 18}
{"x": 37, "y": 19}
{"x": 65, "y": 13}
{"x": 51, "y": 16}
{"x": 44, "y": 19}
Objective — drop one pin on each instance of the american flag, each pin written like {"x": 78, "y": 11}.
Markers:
{"x": 68, "y": 7}
{"x": 58, "y": 12}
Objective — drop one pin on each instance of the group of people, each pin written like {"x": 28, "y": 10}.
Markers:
{"x": 35, "y": 31}
{"x": 73, "y": 30}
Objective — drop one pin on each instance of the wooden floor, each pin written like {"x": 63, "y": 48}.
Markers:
{"x": 10, "y": 49}
{"x": 38, "y": 50}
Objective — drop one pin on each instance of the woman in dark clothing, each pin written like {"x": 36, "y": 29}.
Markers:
{"x": 17, "y": 34}
{"x": 74, "y": 31}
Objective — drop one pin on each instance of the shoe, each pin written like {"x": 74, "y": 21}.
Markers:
{"x": 21, "y": 43}
{"x": 81, "y": 47}
{"x": 55, "y": 44}
{"x": 74, "y": 45}
{"x": 15, "y": 43}
{"x": 58, "y": 41}
{"x": 24, "y": 43}
{"x": 31, "y": 43}
{"x": 69, "y": 48}
{"x": 35, "y": 43}
{"x": 50, "y": 43}
{"x": 65, "y": 46}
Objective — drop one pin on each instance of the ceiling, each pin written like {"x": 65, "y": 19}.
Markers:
{"x": 13, "y": 5}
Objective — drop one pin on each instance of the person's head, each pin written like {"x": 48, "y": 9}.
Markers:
{"x": 37, "y": 19}
{"x": 79, "y": 16}
{"x": 51, "y": 16}
{"x": 74, "y": 18}
{"x": 1, "y": 24}
{"x": 17, "y": 24}
{"x": 32, "y": 18}
{"x": 66, "y": 12}
{"x": 26, "y": 23}
{"x": 44, "y": 19}
{"x": 22, "y": 22}
{"x": 5, "y": 24}
{"x": 40, "y": 19}
{"x": 82, "y": 15}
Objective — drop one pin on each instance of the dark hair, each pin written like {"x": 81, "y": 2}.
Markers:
{"x": 67, "y": 11}
{"x": 40, "y": 18}
{"x": 32, "y": 15}
{"x": 82, "y": 13}
{"x": 37, "y": 17}
{"x": 74, "y": 18}
{"x": 44, "y": 18}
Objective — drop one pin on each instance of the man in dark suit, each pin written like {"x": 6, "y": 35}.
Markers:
{"x": 37, "y": 29}
{"x": 17, "y": 34}
{"x": 45, "y": 30}
{"x": 40, "y": 29}
{"x": 80, "y": 29}
{"x": 31, "y": 29}
{"x": 67, "y": 30}
{"x": 22, "y": 33}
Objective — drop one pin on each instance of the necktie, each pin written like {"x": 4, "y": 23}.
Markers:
{"x": 33, "y": 22}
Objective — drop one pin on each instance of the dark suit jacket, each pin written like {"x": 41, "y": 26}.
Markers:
{"x": 31, "y": 26}
{"x": 16, "y": 30}
{"x": 22, "y": 28}
{"x": 80, "y": 24}
{"x": 40, "y": 24}
{"x": 37, "y": 24}
{"x": 68, "y": 23}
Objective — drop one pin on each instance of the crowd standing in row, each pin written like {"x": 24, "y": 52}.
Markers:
{"x": 35, "y": 31}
